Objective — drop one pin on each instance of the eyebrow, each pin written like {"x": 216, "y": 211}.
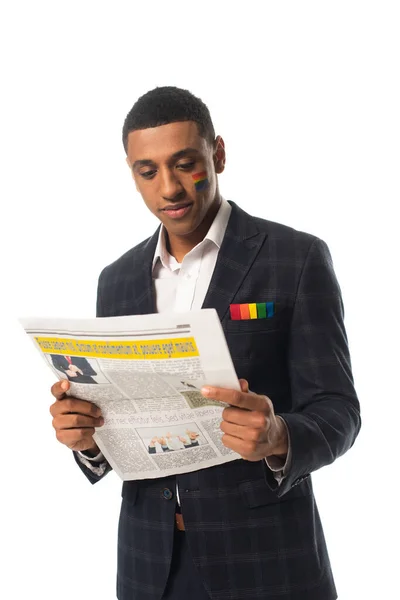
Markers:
{"x": 180, "y": 154}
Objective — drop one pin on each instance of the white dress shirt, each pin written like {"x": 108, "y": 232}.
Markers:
{"x": 181, "y": 287}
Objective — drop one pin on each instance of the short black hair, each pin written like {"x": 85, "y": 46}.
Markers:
{"x": 165, "y": 105}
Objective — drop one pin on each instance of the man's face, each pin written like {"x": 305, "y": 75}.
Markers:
{"x": 164, "y": 161}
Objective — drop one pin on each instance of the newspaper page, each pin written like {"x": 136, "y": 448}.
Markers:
{"x": 145, "y": 373}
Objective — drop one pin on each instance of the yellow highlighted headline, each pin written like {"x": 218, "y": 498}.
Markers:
{"x": 144, "y": 349}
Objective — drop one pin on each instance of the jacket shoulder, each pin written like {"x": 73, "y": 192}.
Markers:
{"x": 129, "y": 260}
{"x": 282, "y": 242}
{"x": 247, "y": 225}
{"x": 297, "y": 247}
{"x": 279, "y": 231}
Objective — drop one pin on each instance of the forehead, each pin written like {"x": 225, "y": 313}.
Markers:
{"x": 158, "y": 143}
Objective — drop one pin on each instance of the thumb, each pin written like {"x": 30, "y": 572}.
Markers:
{"x": 58, "y": 389}
{"x": 244, "y": 385}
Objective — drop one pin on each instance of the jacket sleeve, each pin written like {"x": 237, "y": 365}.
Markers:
{"x": 325, "y": 417}
{"x": 85, "y": 366}
{"x": 58, "y": 362}
{"x": 94, "y": 471}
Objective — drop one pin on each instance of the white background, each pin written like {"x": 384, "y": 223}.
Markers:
{"x": 306, "y": 97}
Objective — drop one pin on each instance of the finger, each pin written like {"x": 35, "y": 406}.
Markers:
{"x": 252, "y": 434}
{"x": 244, "y": 400}
{"x": 247, "y": 418}
{"x": 76, "y": 439}
{"x": 247, "y": 449}
{"x": 58, "y": 389}
{"x": 72, "y": 421}
{"x": 73, "y": 405}
{"x": 244, "y": 385}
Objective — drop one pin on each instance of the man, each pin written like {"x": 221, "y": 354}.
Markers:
{"x": 76, "y": 368}
{"x": 250, "y": 528}
{"x": 192, "y": 435}
{"x": 173, "y": 442}
{"x": 152, "y": 446}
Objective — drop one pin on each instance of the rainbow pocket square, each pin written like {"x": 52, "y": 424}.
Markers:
{"x": 255, "y": 310}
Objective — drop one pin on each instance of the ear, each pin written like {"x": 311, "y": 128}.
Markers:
{"x": 219, "y": 154}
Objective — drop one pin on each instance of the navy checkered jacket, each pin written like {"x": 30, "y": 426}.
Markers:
{"x": 249, "y": 538}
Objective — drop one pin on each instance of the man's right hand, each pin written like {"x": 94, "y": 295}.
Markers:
{"x": 74, "y": 420}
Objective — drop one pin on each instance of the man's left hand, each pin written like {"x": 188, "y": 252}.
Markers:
{"x": 250, "y": 425}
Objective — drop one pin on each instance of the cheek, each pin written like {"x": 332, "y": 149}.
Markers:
{"x": 205, "y": 187}
{"x": 201, "y": 181}
{"x": 211, "y": 189}
{"x": 146, "y": 190}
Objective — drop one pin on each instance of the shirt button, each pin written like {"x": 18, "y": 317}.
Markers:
{"x": 167, "y": 494}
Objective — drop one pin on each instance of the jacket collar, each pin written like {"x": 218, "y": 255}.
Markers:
{"x": 240, "y": 245}
{"x": 215, "y": 234}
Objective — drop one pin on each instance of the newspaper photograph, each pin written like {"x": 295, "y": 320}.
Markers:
{"x": 145, "y": 373}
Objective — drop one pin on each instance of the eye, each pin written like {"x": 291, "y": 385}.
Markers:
{"x": 186, "y": 166}
{"x": 148, "y": 174}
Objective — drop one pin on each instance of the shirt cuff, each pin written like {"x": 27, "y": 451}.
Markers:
{"x": 96, "y": 464}
{"x": 98, "y": 458}
{"x": 280, "y": 466}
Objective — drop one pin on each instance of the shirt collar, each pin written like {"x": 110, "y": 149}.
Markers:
{"x": 215, "y": 234}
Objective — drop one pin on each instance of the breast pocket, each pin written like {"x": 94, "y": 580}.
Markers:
{"x": 255, "y": 339}
{"x": 253, "y": 325}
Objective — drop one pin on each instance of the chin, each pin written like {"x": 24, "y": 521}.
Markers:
{"x": 183, "y": 230}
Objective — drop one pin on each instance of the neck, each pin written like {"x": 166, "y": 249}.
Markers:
{"x": 179, "y": 245}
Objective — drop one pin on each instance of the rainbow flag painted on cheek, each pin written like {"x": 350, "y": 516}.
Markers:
{"x": 200, "y": 181}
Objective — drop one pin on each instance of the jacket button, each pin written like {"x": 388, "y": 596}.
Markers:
{"x": 167, "y": 494}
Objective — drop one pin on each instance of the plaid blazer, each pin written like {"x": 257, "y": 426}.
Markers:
{"x": 249, "y": 538}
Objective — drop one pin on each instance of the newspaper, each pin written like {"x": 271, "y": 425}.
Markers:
{"x": 145, "y": 373}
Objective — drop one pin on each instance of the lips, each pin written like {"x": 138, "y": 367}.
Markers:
{"x": 177, "y": 211}
{"x": 177, "y": 206}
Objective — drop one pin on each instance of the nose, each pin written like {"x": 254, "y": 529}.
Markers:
{"x": 170, "y": 186}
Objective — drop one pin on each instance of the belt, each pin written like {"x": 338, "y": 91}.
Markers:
{"x": 179, "y": 522}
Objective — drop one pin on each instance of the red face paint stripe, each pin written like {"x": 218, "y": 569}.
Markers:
{"x": 199, "y": 176}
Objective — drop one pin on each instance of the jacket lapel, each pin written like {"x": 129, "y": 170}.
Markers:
{"x": 240, "y": 246}
{"x": 142, "y": 290}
